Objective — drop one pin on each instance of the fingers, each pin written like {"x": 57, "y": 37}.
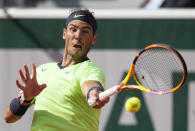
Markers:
{"x": 33, "y": 71}
{"x": 99, "y": 104}
{"x": 29, "y": 85}
{"x": 105, "y": 100}
{"x": 43, "y": 86}
{"x": 19, "y": 85}
{"x": 27, "y": 75}
{"x": 39, "y": 89}
{"x": 96, "y": 101}
{"x": 22, "y": 76}
{"x": 25, "y": 78}
{"x": 26, "y": 72}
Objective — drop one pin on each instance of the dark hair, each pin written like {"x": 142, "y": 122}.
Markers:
{"x": 74, "y": 10}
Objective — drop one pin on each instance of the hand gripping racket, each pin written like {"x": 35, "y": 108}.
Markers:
{"x": 152, "y": 70}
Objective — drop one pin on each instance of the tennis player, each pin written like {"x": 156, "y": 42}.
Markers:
{"x": 59, "y": 91}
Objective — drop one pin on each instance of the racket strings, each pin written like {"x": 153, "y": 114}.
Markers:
{"x": 155, "y": 68}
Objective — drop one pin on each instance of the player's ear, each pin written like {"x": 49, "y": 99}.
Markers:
{"x": 95, "y": 37}
{"x": 64, "y": 33}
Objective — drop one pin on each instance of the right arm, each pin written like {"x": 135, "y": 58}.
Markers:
{"x": 30, "y": 88}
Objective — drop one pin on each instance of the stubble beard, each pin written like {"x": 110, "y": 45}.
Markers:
{"x": 77, "y": 56}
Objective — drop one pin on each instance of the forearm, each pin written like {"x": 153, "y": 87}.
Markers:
{"x": 9, "y": 117}
{"x": 15, "y": 110}
{"x": 88, "y": 85}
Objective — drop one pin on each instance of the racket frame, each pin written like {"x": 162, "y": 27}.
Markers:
{"x": 122, "y": 86}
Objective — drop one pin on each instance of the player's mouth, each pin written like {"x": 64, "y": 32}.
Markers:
{"x": 77, "y": 46}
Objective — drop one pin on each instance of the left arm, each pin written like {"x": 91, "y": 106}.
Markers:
{"x": 94, "y": 93}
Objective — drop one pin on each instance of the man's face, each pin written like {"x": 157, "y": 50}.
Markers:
{"x": 79, "y": 39}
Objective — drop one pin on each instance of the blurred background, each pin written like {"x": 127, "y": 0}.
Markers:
{"x": 31, "y": 31}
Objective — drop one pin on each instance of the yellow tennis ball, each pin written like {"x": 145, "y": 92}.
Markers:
{"x": 133, "y": 104}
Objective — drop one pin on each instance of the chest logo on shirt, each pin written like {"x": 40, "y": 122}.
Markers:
{"x": 67, "y": 72}
{"x": 44, "y": 69}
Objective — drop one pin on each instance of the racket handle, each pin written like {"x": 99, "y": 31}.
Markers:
{"x": 113, "y": 90}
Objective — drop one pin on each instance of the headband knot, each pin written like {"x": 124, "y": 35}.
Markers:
{"x": 83, "y": 16}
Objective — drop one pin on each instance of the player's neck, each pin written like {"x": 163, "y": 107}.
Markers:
{"x": 69, "y": 60}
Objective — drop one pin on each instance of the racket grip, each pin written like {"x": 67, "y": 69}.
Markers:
{"x": 112, "y": 91}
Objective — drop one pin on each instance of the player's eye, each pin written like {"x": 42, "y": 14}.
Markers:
{"x": 73, "y": 29}
{"x": 86, "y": 31}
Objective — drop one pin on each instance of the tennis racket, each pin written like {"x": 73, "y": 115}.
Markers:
{"x": 153, "y": 69}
